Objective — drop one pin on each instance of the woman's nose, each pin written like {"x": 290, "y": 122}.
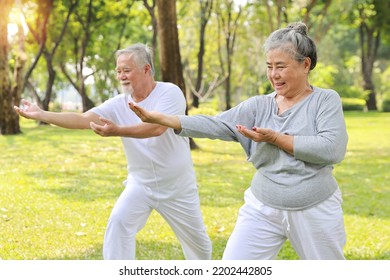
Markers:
{"x": 274, "y": 73}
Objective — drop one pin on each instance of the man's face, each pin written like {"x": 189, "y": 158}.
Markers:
{"x": 127, "y": 73}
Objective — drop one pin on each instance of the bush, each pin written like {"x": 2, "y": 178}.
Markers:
{"x": 204, "y": 110}
{"x": 386, "y": 105}
{"x": 353, "y": 104}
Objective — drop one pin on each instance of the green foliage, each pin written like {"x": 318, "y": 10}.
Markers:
{"x": 351, "y": 91}
{"x": 209, "y": 109}
{"x": 323, "y": 76}
{"x": 58, "y": 188}
{"x": 353, "y": 104}
{"x": 386, "y": 105}
{"x": 116, "y": 24}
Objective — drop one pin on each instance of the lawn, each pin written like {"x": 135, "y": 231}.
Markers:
{"x": 58, "y": 188}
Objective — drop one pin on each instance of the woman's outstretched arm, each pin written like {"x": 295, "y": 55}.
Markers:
{"x": 156, "y": 117}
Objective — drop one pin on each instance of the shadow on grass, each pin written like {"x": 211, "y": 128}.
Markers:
{"x": 84, "y": 194}
{"x": 162, "y": 250}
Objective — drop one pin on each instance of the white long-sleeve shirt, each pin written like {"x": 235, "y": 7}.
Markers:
{"x": 284, "y": 181}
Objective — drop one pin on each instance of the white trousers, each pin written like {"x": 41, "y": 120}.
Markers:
{"x": 316, "y": 233}
{"x": 134, "y": 207}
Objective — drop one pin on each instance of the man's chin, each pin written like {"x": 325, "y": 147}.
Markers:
{"x": 127, "y": 90}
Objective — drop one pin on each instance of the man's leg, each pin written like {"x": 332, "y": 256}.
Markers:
{"x": 185, "y": 218}
{"x": 128, "y": 216}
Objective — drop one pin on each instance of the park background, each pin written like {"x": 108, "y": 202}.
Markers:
{"x": 58, "y": 187}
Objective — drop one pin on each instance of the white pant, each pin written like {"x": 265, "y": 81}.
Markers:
{"x": 316, "y": 233}
{"x": 132, "y": 210}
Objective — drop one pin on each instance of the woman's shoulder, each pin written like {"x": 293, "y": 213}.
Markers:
{"x": 263, "y": 99}
{"x": 325, "y": 91}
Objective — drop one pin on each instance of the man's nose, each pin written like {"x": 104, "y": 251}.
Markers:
{"x": 121, "y": 76}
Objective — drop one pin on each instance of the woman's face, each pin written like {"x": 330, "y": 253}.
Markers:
{"x": 287, "y": 76}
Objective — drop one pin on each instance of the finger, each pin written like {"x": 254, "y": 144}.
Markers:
{"x": 132, "y": 106}
{"x": 92, "y": 125}
{"x": 240, "y": 127}
{"x": 95, "y": 127}
{"x": 135, "y": 108}
{"x": 98, "y": 129}
{"x": 21, "y": 112}
{"x": 104, "y": 120}
{"x": 25, "y": 102}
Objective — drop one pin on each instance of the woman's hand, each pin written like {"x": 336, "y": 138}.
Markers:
{"x": 145, "y": 116}
{"x": 156, "y": 117}
{"x": 258, "y": 134}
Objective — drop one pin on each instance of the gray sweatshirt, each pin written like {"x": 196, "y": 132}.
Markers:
{"x": 284, "y": 181}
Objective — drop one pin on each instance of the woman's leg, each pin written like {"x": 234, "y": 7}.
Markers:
{"x": 258, "y": 233}
{"x": 318, "y": 233}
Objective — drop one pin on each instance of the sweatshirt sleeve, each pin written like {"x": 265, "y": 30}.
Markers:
{"x": 222, "y": 126}
{"x": 329, "y": 145}
{"x": 201, "y": 126}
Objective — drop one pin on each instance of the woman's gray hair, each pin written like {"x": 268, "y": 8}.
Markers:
{"x": 142, "y": 55}
{"x": 293, "y": 39}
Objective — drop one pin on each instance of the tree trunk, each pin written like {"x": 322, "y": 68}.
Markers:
{"x": 50, "y": 80}
{"x": 17, "y": 90}
{"x": 369, "y": 44}
{"x": 228, "y": 24}
{"x": 170, "y": 60}
{"x": 9, "y": 121}
{"x": 150, "y": 8}
{"x": 205, "y": 8}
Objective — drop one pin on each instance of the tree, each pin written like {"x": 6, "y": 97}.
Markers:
{"x": 91, "y": 43}
{"x": 169, "y": 49}
{"x": 18, "y": 77}
{"x": 206, "y": 6}
{"x": 228, "y": 24}
{"x": 9, "y": 120}
{"x": 372, "y": 19}
{"x": 48, "y": 44}
{"x": 81, "y": 37}
{"x": 150, "y": 8}
{"x": 170, "y": 59}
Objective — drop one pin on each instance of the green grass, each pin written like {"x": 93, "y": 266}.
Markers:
{"x": 58, "y": 188}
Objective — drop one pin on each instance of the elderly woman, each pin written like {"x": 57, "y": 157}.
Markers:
{"x": 293, "y": 136}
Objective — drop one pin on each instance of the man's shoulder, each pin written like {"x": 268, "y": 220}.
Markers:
{"x": 168, "y": 90}
{"x": 168, "y": 85}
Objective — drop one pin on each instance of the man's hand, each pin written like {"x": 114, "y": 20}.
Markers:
{"x": 107, "y": 129}
{"x": 29, "y": 110}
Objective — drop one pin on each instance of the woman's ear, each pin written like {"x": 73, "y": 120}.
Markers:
{"x": 307, "y": 63}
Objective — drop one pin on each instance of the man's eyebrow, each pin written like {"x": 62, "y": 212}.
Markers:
{"x": 277, "y": 63}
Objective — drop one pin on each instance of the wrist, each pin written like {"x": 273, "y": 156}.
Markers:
{"x": 275, "y": 138}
